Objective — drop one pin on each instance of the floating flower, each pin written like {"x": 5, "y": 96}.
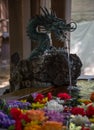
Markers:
{"x": 37, "y": 105}
{"x": 18, "y": 125}
{"x": 19, "y": 116}
{"x": 15, "y": 113}
{"x": 39, "y": 97}
{"x": 85, "y": 101}
{"x": 52, "y": 125}
{"x": 34, "y": 95}
{"x": 90, "y": 110}
{"x": 33, "y": 125}
{"x": 80, "y": 120}
{"x": 18, "y": 104}
{"x": 92, "y": 97}
{"x": 91, "y": 119}
{"x": 53, "y": 105}
{"x": 36, "y": 115}
{"x": 5, "y": 120}
{"x": 78, "y": 111}
{"x": 54, "y": 115}
{"x": 49, "y": 111}
{"x": 85, "y": 128}
{"x": 92, "y": 126}
{"x": 72, "y": 126}
{"x": 64, "y": 96}
{"x": 49, "y": 95}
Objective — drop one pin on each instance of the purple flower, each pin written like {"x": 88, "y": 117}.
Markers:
{"x": 55, "y": 115}
{"x": 34, "y": 95}
{"x": 5, "y": 120}
{"x": 18, "y": 104}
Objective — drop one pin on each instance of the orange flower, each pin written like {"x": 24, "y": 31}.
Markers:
{"x": 34, "y": 127}
{"x": 52, "y": 125}
{"x": 36, "y": 115}
{"x": 92, "y": 97}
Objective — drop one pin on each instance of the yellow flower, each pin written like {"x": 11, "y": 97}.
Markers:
{"x": 85, "y": 101}
{"x": 34, "y": 127}
{"x": 24, "y": 100}
{"x": 45, "y": 100}
{"x": 91, "y": 120}
{"x": 32, "y": 123}
{"x": 37, "y": 105}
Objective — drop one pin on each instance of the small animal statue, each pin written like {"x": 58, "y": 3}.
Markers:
{"x": 51, "y": 23}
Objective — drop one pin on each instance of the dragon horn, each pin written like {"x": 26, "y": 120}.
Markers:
{"x": 53, "y": 13}
{"x": 43, "y": 11}
{"x": 47, "y": 11}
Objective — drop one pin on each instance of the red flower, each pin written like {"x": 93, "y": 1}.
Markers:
{"x": 92, "y": 97}
{"x": 49, "y": 95}
{"x": 19, "y": 116}
{"x": 78, "y": 110}
{"x": 85, "y": 128}
{"x": 15, "y": 113}
{"x": 18, "y": 125}
{"x": 64, "y": 96}
{"x": 90, "y": 111}
{"x": 39, "y": 97}
{"x": 24, "y": 117}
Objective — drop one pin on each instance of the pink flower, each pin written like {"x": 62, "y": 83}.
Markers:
{"x": 64, "y": 96}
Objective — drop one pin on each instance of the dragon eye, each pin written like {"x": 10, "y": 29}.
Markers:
{"x": 61, "y": 31}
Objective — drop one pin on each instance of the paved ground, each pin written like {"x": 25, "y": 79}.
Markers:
{"x": 4, "y": 66}
{"x": 4, "y": 77}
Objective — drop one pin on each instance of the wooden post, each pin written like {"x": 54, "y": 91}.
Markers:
{"x": 35, "y": 10}
{"x": 19, "y": 15}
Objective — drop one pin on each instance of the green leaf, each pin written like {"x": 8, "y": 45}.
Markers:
{"x": 12, "y": 127}
{"x": 23, "y": 122}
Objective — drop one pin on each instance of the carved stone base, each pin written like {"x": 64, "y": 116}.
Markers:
{"x": 52, "y": 68}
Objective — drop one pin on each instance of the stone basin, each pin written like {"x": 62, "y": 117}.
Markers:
{"x": 26, "y": 92}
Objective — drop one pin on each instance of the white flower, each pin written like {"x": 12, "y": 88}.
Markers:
{"x": 53, "y": 105}
{"x": 74, "y": 127}
{"x": 60, "y": 101}
{"x": 92, "y": 126}
{"x": 83, "y": 106}
{"x": 80, "y": 120}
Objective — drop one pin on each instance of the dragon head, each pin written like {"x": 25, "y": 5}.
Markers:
{"x": 54, "y": 24}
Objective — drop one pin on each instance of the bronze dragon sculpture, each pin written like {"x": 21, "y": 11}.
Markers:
{"x": 46, "y": 64}
{"x": 51, "y": 23}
